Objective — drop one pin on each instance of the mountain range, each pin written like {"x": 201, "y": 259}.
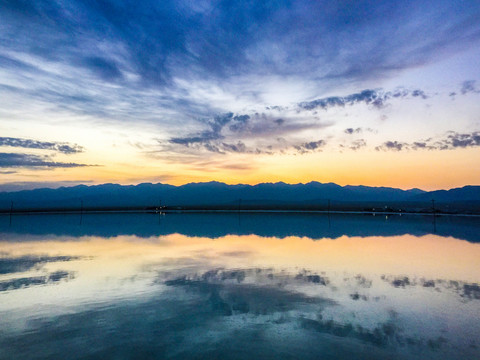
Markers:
{"x": 313, "y": 195}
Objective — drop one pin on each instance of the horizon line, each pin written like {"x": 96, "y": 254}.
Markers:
{"x": 53, "y": 186}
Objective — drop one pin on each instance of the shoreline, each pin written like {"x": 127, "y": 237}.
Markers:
{"x": 231, "y": 211}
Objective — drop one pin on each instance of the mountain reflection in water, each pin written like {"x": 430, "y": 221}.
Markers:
{"x": 235, "y": 286}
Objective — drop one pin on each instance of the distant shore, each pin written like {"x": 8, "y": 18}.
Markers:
{"x": 219, "y": 210}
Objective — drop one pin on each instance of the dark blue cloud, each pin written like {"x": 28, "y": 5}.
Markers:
{"x": 64, "y": 148}
{"x": 158, "y": 61}
{"x": 216, "y": 124}
{"x": 10, "y": 265}
{"x": 468, "y": 86}
{"x": 9, "y": 160}
{"x": 376, "y": 98}
{"x": 20, "y": 283}
{"x": 351, "y": 131}
{"x": 157, "y": 40}
{"x": 240, "y": 122}
{"x": 456, "y": 140}
{"x": 239, "y": 147}
{"x": 451, "y": 140}
{"x": 104, "y": 68}
{"x": 310, "y": 146}
{"x": 419, "y": 93}
{"x": 229, "y": 133}
{"x": 392, "y": 145}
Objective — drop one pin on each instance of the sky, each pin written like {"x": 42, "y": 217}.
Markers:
{"x": 379, "y": 93}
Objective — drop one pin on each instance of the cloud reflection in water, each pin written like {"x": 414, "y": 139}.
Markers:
{"x": 239, "y": 296}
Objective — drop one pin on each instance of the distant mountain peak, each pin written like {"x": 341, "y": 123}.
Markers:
{"x": 214, "y": 193}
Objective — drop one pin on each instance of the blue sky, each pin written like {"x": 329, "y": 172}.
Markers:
{"x": 246, "y": 91}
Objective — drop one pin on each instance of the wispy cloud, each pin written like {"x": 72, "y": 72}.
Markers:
{"x": 452, "y": 140}
{"x": 12, "y": 160}
{"x": 61, "y": 147}
{"x": 351, "y": 131}
{"x": 216, "y": 124}
{"x": 358, "y": 130}
{"x": 357, "y": 144}
{"x": 376, "y": 98}
{"x": 310, "y": 146}
{"x": 468, "y": 86}
{"x": 392, "y": 145}
{"x": 256, "y": 133}
{"x": 129, "y": 60}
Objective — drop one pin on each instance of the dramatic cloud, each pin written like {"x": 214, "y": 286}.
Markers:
{"x": 192, "y": 81}
{"x": 452, "y": 140}
{"x": 257, "y": 133}
{"x": 239, "y": 122}
{"x": 376, "y": 98}
{"x": 366, "y": 96}
{"x": 216, "y": 125}
{"x": 8, "y": 160}
{"x": 181, "y": 48}
{"x": 64, "y": 148}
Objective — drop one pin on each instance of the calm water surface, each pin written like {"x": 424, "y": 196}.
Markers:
{"x": 239, "y": 286}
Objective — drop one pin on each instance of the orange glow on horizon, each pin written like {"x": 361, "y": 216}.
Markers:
{"x": 427, "y": 170}
{"x": 428, "y": 256}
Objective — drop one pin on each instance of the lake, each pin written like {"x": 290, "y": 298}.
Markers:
{"x": 239, "y": 286}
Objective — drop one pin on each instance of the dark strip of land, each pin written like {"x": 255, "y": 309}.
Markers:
{"x": 175, "y": 209}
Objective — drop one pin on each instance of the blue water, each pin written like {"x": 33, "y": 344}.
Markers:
{"x": 239, "y": 286}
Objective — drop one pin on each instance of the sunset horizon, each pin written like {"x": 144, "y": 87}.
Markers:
{"x": 21, "y": 186}
{"x": 185, "y": 92}
{"x": 240, "y": 179}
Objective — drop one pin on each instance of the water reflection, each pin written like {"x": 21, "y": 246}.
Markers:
{"x": 353, "y": 293}
{"x": 315, "y": 226}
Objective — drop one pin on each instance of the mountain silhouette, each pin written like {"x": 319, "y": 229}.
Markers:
{"x": 466, "y": 193}
{"x": 214, "y": 225}
{"x": 213, "y": 194}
